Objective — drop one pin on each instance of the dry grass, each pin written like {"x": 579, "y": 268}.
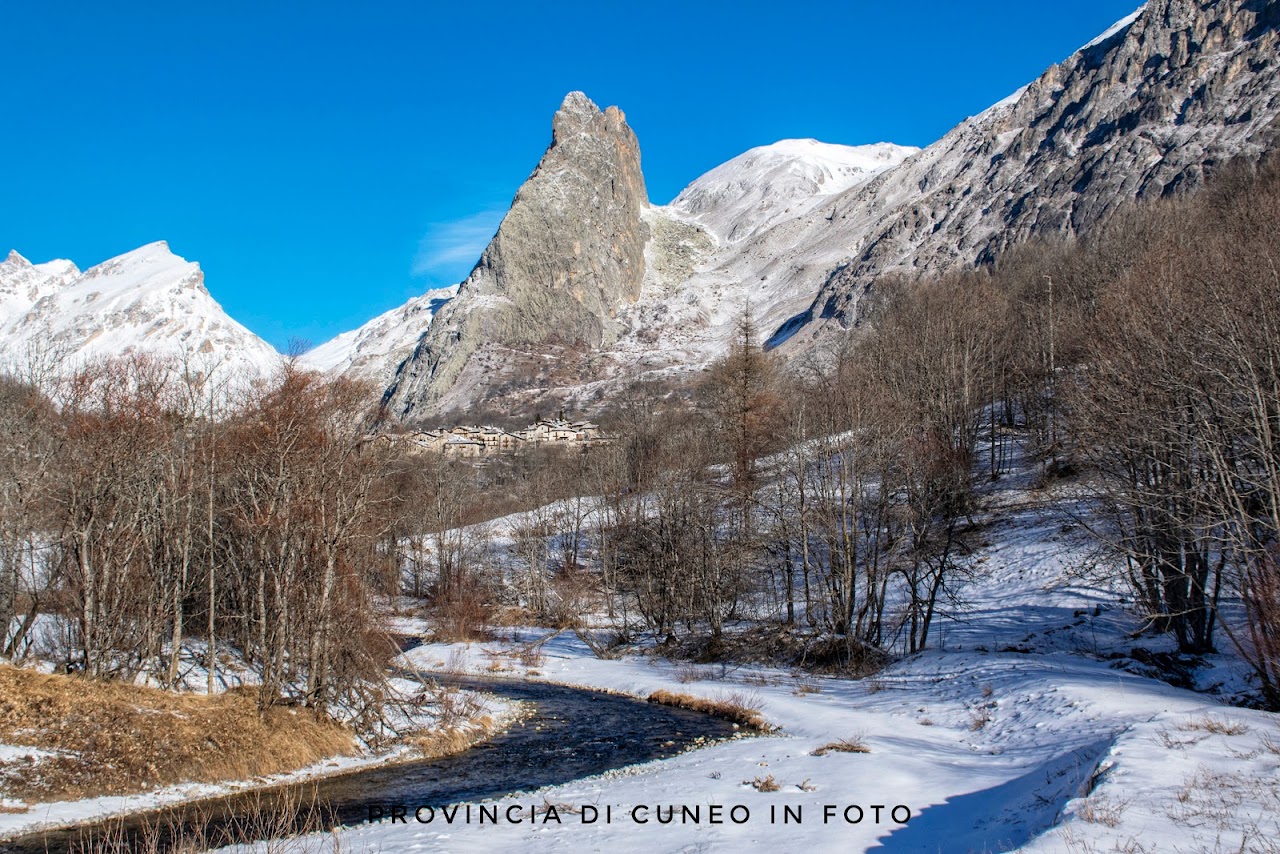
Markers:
{"x": 462, "y": 723}
{"x": 686, "y": 673}
{"x": 433, "y": 744}
{"x": 1101, "y": 810}
{"x": 1173, "y": 742}
{"x": 285, "y": 824}
{"x": 843, "y": 745}
{"x": 111, "y": 738}
{"x": 766, "y": 784}
{"x": 980, "y": 716}
{"x": 1129, "y": 845}
{"x": 874, "y": 684}
{"x": 457, "y": 662}
{"x": 1216, "y": 726}
{"x": 531, "y": 655}
{"x": 806, "y": 686}
{"x": 741, "y": 709}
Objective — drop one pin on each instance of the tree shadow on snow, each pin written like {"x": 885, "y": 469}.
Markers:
{"x": 1002, "y": 817}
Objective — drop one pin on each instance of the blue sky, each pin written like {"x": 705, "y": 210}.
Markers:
{"x": 326, "y": 161}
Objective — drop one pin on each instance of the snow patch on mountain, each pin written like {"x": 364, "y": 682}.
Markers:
{"x": 23, "y": 283}
{"x": 1122, "y": 24}
{"x": 376, "y": 349}
{"x": 771, "y": 182}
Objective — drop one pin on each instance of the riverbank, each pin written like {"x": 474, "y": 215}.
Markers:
{"x": 425, "y": 737}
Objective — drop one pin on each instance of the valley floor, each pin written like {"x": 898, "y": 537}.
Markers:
{"x": 1020, "y": 733}
{"x": 1026, "y": 728}
{"x": 63, "y": 749}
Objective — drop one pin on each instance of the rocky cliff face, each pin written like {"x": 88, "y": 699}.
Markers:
{"x": 1145, "y": 110}
{"x": 567, "y": 257}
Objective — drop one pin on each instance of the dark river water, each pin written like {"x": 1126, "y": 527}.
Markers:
{"x": 573, "y": 733}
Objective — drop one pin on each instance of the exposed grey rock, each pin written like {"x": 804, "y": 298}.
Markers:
{"x": 1145, "y": 112}
{"x": 567, "y": 256}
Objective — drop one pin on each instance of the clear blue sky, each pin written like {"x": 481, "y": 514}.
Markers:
{"x": 326, "y": 161}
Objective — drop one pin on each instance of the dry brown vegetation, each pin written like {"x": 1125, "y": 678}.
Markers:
{"x": 283, "y": 821}
{"x": 843, "y": 745}
{"x": 735, "y": 707}
{"x": 112, "y": 738}
{"x": 446, "y": 742}
{"x": 764, "y": 784}
{"x": 1214, "y": 726}
{"x": 1101, "y": 810}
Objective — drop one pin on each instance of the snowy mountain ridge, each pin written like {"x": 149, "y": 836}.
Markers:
{"x": 758, "y": 187}
{"x": 22, "y": 283}
{"x": 800, "y": 230}
{"x": 586, "y": 285}
{"x": 147, "y": 300}
{"x": 373, "y": 351}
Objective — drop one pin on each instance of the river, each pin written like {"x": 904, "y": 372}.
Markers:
{"x": 572, "y": 733}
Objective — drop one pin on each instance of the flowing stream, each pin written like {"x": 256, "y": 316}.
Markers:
{"x": 573, "y": 733}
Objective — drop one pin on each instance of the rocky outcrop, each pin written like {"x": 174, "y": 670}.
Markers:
{"x": 22, "y": 283}
{"x": 1146, "y": 110}
{"x": 375, "y": 351}
{"x": 567, "y": 257}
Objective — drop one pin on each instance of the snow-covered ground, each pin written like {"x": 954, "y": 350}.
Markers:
{"x": 1019, "y": 733}
{"x": 1023, "y": 729}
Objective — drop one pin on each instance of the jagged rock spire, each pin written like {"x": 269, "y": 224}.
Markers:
{"x": 567, "y": 256}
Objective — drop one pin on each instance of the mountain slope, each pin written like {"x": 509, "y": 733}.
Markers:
{"x": 22, "y": 283}
{"x": 145, "y": 301}
{"x": 586, "y": 286}
{"x": 375, "y": 350}
{"x": 760, "y": 187}
{"x": 1146, "y": 110}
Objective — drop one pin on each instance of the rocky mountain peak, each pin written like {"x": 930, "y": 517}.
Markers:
{"x": 569, "y": 299}
{"x": 567, "y": 257}
{"x": 145, "y": 300}
{"x": 22, "y": 282}
{"x": 578, "y": 114}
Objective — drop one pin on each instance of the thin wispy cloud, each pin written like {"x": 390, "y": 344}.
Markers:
{"x": 449, "y": 249}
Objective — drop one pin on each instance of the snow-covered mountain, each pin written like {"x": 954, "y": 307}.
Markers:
{"x": 145, "y": 301}
{"x": 23, "y": 284}
{"x": 586, "y": 285}
{"x": 376, "y": 349}
{"x": 754, "y": 190}
{"x": 1149, "y": 108}
{"x": 800, "y": 230}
